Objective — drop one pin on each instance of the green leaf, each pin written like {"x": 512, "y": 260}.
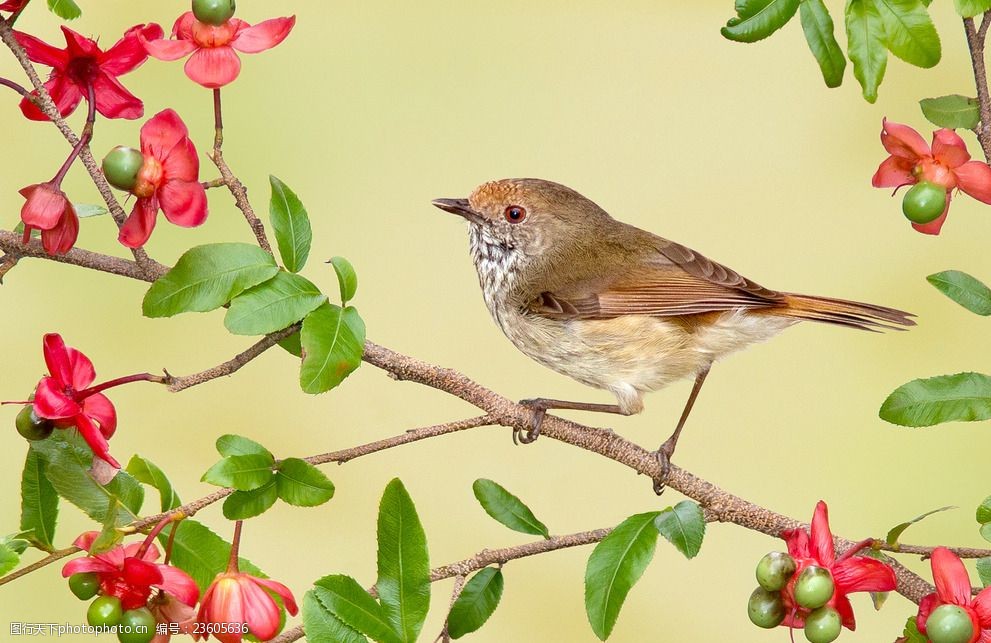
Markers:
{"x": 147, "y": 472}
{"x": 207, "y": 277}
{"x": 39, "y": 503}
{"x": 86, "y": 210}
{"x": 403, "y": 563}
{"x": 507, "y": 508}
{"x": 684, "y": 527}
{"x": 911, "y": 633}
{"x": 953, "y": 111}
{"x": 347, "y": 278}
{"x": 895, "y": 532}
{"x": 67, "y": 461}
{"x": 478, "y": 600}
{"x": 322, "y": 626}
{"x": 758, "y": 19}
{"x": 291, "y": 225}
{"x": 986, "y": 531}
{"x": 865, "y": 46}
{"x": 818, "y": 28}
{"x": 964, "y": 397}
{"x": 242, "y": 505}
{"x": 984, "y": 570}
{"x": 963, "y": 289}
{"x": 201, "y": 553}
{"x": 281, "y": 301}
{"x": 9, "y": 558}
{"x": 292, "y": 345}
{"x": 333, "y": 340}
{"x": 65, "y": 9}
{"x": 231, "y": 444}
{"x": 343, "y": 597}
{"x": 909, "y": 32}
{"x": 615, "y": 565}
{"x": 971, "y": 8}
{"x": 984, "y": 511}
{"x": 243, "y": 472}
{"x": 109, "y": 536}
{"x": 302, "y": 484}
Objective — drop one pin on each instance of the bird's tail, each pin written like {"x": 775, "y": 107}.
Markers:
{"x": 841, "y": 312}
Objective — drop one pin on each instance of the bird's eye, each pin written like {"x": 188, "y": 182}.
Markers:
{"x": 515, "y": 214}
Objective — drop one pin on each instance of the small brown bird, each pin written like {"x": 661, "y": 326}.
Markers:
{"x": 616, "y": 307}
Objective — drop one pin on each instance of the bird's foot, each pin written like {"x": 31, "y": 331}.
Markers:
{"x": 538, "y": 409}
{"x": 663, "y": 457}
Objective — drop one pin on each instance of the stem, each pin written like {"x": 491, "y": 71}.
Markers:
{"x": 975, "y": 42}
{"x": 218, "y": 121}
{"x": 168, "y": 546}
{"x": 17, "y": 88}
{"x": 157, "y": 529}
{"x": 140, "y": 377}
{"x": 17, "y": 14}
{"x": 83, "y": 140}
{"x": 235, "y": 546}
{"x": 863, "y": 544}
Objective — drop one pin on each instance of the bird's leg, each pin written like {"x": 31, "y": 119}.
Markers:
{"x": 666, "y": 450}
{"x": 540, "y": 405}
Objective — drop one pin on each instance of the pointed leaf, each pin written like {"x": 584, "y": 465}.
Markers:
{"x": 322, "y": 626}
{"x": 292, "y": 345}
{"x": 984, "y": 511}
{"x": 403, "y": 563}
{"x": 207, "y": 277}
{"x": 273, "y": 305}
{"x": 865, "y": 45}
{"x": 347, "y": 278}
{"x": 911, "y": 633}
{"x": 343, "y": 597}
{"x": 146, "y": 472}
{"x": 964, "y": 397}
{"x": 333, "y": 340}
{"x": 242, "y": 505}
{"x": 291, "y": 225}
{"x": 684, "y": 527}
{"x": 507, "y": 508}
{"x": 201, "y": 553}
{"x": 895, "y": 532}
{"x": 65, "y": 9}
{"x": 953, "y": 111}
{"x": 984, "y": 570}
{"x": 86, "y": 210}
{"x": 477, "y": 602}
{"x": 909, "y": 32}
{"x": 39, "y": 502}
{"x": 243, "y": 472}
{"x": 615, "y": 565}
{"x": 818, "y": 28}
{"x": 302, "y": 484}
{"x": 971, "y": 8}
{"x": 758, "y": 19}
{"x": 963, "y": 289}
{"x": 8, "y": 558}
{"x": 232, "y": 444}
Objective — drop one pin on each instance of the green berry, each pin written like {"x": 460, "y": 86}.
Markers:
{"x": 949, "y": 624}
{"x": 214, "y": 12}
{"x": 814, "y": 587}
{"x": 32, "y": 427}
{"x": 774, "y": 571}
{"x": 823, "y": 625}
{"x": 924, "y": 202}
{"x": 105, "y": 611}
{"x": 136, "y": 626}
{"x": 84, "y": 585}
{"x": 121, "y": 166}
{"x": 766, "y": 609}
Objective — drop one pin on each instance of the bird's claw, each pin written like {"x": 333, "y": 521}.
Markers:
{"x": 663, "y": 457}
{"x": 538, "y": 411}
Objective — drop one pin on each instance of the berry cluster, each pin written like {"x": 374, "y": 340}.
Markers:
{"x": 811, "y": 588}
{"x": 135, "y": 625}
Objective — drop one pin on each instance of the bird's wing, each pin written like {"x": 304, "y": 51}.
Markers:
{"x": 672, "y": 280}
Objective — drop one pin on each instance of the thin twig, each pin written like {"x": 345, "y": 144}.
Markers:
{"x": 459, "y": 585}
{"x": 47, "y": 560}
{"x": 975, "y": 42}
{"x": 232, "y": 365}
{"x": 17, "y": 88}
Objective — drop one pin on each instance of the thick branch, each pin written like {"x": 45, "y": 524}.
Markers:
{"x": 975, "y": 42}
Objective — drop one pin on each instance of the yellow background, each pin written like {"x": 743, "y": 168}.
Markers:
{"x": 369, "y": 110}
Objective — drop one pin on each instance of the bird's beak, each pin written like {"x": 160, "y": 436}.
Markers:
{"x": 460, "y": 207}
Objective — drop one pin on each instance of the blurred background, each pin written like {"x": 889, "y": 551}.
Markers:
{"x": 371, "y": 109}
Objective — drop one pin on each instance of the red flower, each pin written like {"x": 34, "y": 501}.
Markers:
{"x": 953, "y": 587}
{"x": 214, "y": 62}
{"x": 169, "y": 179}
{"x": 236, "y": 597}
{"x": 947, "y": 163}
{"x": 130, "y": 573}
{"x": 49, "y": 210}
{"x": 63, "y": 397}
{"x": 82, "y": 64}
{"x": 13, "y": 5}
{"x": 850, "y": 573}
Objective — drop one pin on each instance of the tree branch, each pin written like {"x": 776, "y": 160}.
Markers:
{"x": 975, "y": 42}
{"x": 232, "y": 365}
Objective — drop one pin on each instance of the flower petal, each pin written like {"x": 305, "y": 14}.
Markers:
{"x": 170, "y": 49}
{"x": 113, "y": 100}
{"x": 982, "y": 605}
{"x": 183, "y": 27}
{"x": 952, "y": 581}
{"x": 934, "y": 226}
{"x": 821, "y": 539}
{"x": 260, "y": 610}
{"x": 57, "y": 358}
{"x": 141, "y": 573}
{"x": 64, "y": 93}
{"x": 139, "y": 224}
{"x": 287, "y": 598}
{"x": 926, "y": 606}
{"x": 51, "y": 402}
{"x": 842, "y": 605}
{"x": 863, "y": 574}
{"x": 894, "y": 172}
{"x": 41, "y": 52}
{"x": 797, "y": 541}
{"x": 79, "y": 46}
{"x": 85, "y": 540}
{"x": 902, "y": 140}
{"x": 264, "y": 35}
{"x": 949, "y": 149}
{"x": 95, "y": 440}
{"x": 179, "y": 584}
{"x": 80, "y": 368}
{"x": 60, "y": 239}
{"x": 974, "y": 178}
{"x": 44, "y": 207}
{"x": 181, "y": 162}
{"x": 214, "y": 67}
{"x": 101, "y": 410}
{"x": 129, "y": 52}
{"x": 183, "y": 202}
{"x": 161, "y": 133}
{"x": 87, "y": 564}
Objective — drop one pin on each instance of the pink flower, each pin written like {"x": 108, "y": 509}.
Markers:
{"x": 850, "y": 573}
{"x": 168, "y": 179}
{"x": 214, "y": 62}
{"x": 130, "y": 573}
{"x": 236, "y": 597}
{"x": 48, "y": 209}
{"x": 953, "y": 587}
{"x": 82, "y": 64}
{"x": 947, "y": 163}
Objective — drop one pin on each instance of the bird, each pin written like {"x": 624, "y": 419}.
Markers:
{"x": 616, "y": 307}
